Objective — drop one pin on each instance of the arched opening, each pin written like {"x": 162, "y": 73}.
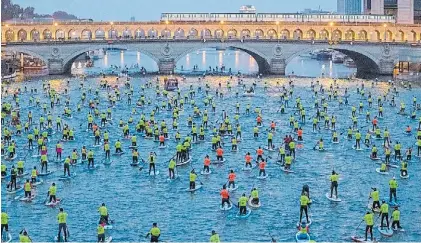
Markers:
{"x": 193, "y": 33}
{"x": 139, "y": 34}
{"x": 336, "y": 35}
{"x": 74, "y": 35}
{"x": 99, "y": 34}
{"x": 60, "y": 35}
{"x": 127, "y": 34}
{"x": 232, "y": 34}
{"x": 179, "y": 34}
{"x": 362, "y": 35}
{"x": 349, "y": 35}
{"x": 86, "y": 34}
{"x": 219, "y": 34}
{"x": 152, "y": 33}
{"x": 35, "y": 36}
{"x": 22, "y": 35}
{"x": 10, "y": 35}
{"x": 285, "y": 34}
{"x": 400, "y": 36}
{"x": 272, "y": 34}
{"x": 340, "y": 64}
{"x": 218, "y": 60}
{"x": 259, "y": 34}
{"x": 112, "y": 34}
{"x": 245, "y": 34}
{"x": 166, "y": 34}
{"x": 47, "y": 35}
{"x": 298, "y": 34}
{"x": 324, "y": 35}
{"x": 311, "y": 34}
{"x": 375, "y": 35}
{"x": 205, "y": 34}
{"x": 110, "y": 61}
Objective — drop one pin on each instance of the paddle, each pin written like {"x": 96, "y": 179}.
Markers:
{"x": 233, "y": 203}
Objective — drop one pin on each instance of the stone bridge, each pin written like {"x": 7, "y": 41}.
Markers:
{"x": 272, "y": 56}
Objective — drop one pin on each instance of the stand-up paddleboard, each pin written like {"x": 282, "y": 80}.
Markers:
{"x": 27, "y": 199}
{"x": 302, "y": 237}
{"x": 248, "y": 168}
{"x": 118, "y": 154}
{"x": 22, "y": 175}
{"x": 197, "y": 187}
{"x": 231, "y": 189}
{"x": 243, "y": 216}
{"x": 36, "y": 156}
{"x": 385, "y": 231}
{"x": 38, "y": 182}
{"x": 360, "y": 239}
{"x": 269, "y": 149}
{"x": 97, "y": 145}
{"x": 333, "y": 198}
{"x": 219, "y": 161}
{"x": 335, "y": 142}
{"x": 262, "y": 177}
{"x": 93, "y": 167}
{"x": 202, "y": 172}
{"x": 248, "y": 94}
{"x": 66, "y": 177}
{"x": 8, "y": 239}
{"x": 286, "y": 170}
{"x": 184, "y": 162}
{"x": 135, "y": 163}
{"x": 358, "y": 149}
{"x": 108, "y": 239}
{"x": 376, "y": 158}
{"x": 252, "y": 205}
{"x": 45, "y": 173}
{"x": 176, "y": 176}
{"x": 226, "y": 207}
{"x": 53, "y": 203}
{"x": 12, "y": 158}
{"x": 107, "y": 162}
{"x": 382, "y": 172}
{"x": 154, "y": 174}
{"x": 370, "y": 206}
{"x": 398, "y": 229}
{"x": 388, "y": 165}
{"x": 108, "y": 226}
{"x": 404, "y": 177}
{"x": 162, "y": 146}
{"x": 308, "y": 224}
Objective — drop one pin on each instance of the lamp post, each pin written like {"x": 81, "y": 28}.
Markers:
{"x": 331, "y": 32}
{"x": 384, "y": 31}
{"x": 277, "y": 30}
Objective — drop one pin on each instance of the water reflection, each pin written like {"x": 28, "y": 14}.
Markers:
{"x": 209, "y": 58}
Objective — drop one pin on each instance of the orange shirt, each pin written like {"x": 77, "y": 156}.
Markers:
{"x": 260, "y": 152}
{"x": 224, "y": 193}
{"x": 375, "y": 121}
{"x": 94, "y": 127}
{"x": 259, "y": 119}
{"x": 219, "y": 151}
{"x": 300, "y": 132}
{"x": 262, "y": 165}
{"x": 272, "y": 125}
{"x": 408, "y": 129}
{"x": 161, "y": 138}
{"x": 207, "y": 161}
{"x": 231, "y": 176}
{"x": 248, "y": 158}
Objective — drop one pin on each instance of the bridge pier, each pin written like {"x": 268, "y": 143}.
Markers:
{"x": 56, "y": 66}
{"x": 277, "y": 66}
{"x": 166, "y": 65}
{"x": 386, "y": 67}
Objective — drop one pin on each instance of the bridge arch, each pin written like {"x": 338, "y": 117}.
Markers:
{"x": 298, "y": 34}
{"x": 69, "y": 59}
{"x": 10, "y": 35}
{"x": 35, "y": 36}
{"x": 139, "y": 34}
{"x": 86, "y": 34}
{"x": 367, "y": 63}
{"x": 285, "y": 34}
{"x": 60, "y": 34}
{"x": 245, "y": 34}
{"x": 179, "y": 34}
{"x": 219, "y": 33}
{"x": 99, "y": 34}
{"x": 152, "y": 33}
{"x": 232, "y": 34}
{"x": 127, "y": 34}
{"x": 22, "y": 35}
{"x": 193, "y": 33}
{"x": 47, "y": 34}
{"x": 349, "y": 35}
{"x": 272, "y": 34}
{"x": 260, "y": 58}
{"x": 362, "y": 35}
{"x": 259, "y": 34}
{"x": 311, "y": 34}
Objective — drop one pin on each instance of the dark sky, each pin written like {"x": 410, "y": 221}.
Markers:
{"x": 151, "y": 9}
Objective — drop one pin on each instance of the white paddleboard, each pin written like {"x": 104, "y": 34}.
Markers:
{"x": 252, "y": 205}
{"x": 385, "y": 231}
{"x": 333, "y": 198}
{"x": 382, "y": 172}
{"x": 226, "y": 207}
{"x": 195, "y": 189}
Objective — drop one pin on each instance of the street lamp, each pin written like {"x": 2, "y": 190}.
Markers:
{"x": 331, "y": 27}
{"x": 277, "y": 31}
{"x": 384, "y": 30}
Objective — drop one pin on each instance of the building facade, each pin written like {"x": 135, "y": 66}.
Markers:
{"x": 373, "y": 7}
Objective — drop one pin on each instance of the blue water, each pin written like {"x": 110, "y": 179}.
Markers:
{"x": 135, "y": 200}
{"x": 237, "y": 60}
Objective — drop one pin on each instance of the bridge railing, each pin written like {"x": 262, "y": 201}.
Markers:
{"x": 199, "y": 39}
